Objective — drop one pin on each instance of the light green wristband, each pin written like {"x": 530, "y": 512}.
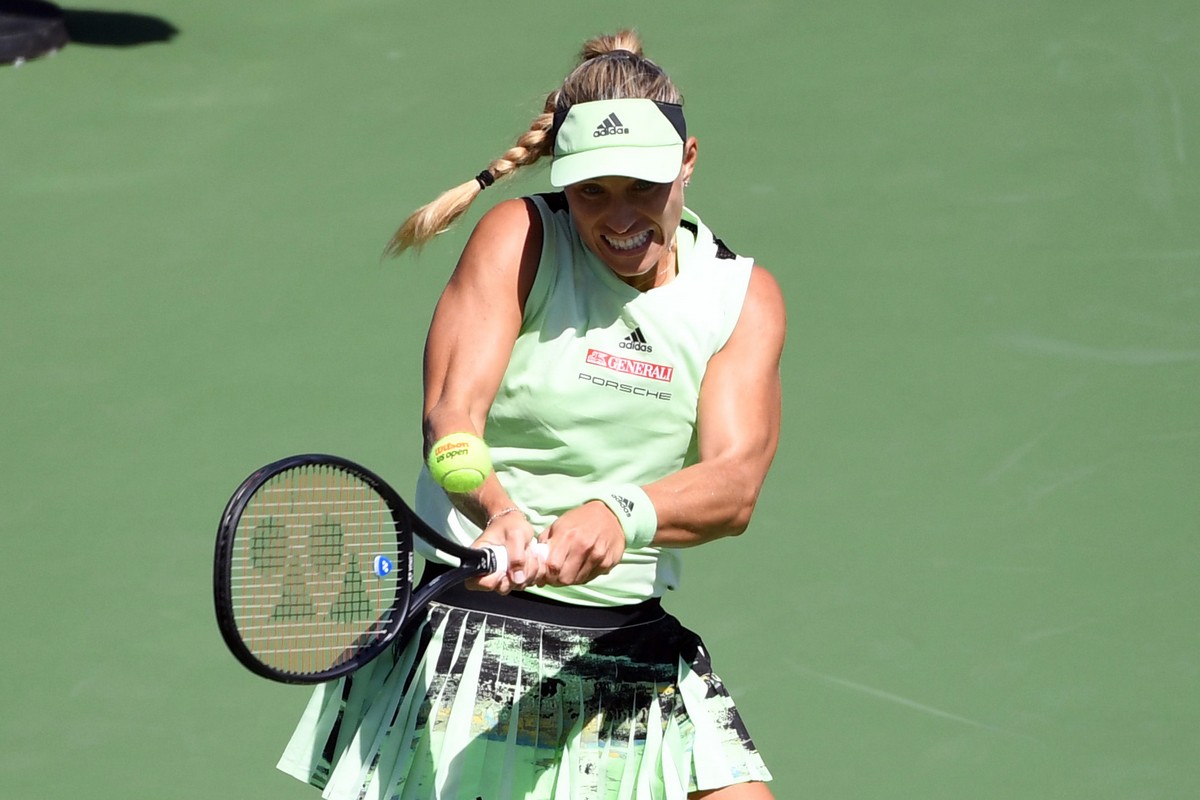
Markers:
{"x": 635, "y": 512}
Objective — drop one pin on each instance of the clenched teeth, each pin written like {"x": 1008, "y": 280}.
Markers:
{"x": 630, "y": 243}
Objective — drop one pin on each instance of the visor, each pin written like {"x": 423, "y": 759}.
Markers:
{"x": 631, "y": 137}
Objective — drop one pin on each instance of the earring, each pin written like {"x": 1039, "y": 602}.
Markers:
{"x": 686, "y": 182}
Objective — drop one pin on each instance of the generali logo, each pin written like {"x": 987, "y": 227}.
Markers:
{"x": 629, "y": 366}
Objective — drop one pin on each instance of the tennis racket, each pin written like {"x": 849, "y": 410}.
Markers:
{"x": 313, "y": 570}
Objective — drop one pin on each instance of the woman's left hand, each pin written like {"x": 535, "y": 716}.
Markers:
{"x": 584, "y": 542}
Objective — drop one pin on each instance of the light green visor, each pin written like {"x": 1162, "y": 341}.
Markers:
{"x": 631, "y": 137}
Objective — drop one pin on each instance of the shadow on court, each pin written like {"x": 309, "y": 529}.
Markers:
{"x": 117, "y": 28}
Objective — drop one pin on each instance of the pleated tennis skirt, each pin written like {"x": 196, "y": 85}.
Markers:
{"x": 493, "y": 698}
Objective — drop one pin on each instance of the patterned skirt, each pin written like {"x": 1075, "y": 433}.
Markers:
{"x": 518, "y": 697}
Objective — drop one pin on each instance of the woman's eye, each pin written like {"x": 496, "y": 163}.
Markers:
{"x": 643, "y": 186}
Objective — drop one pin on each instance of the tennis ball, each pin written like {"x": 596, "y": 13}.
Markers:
{"x": 459, "y": 462}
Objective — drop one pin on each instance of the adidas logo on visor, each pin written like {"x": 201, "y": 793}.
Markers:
{"x": 636, "y": 341}
{"x": 611, "y": 126}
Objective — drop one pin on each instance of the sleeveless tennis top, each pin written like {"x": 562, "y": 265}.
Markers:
{"x": 602, "y": 389}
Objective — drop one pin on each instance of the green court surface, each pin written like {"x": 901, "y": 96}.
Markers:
{"x": 973, "y": 570}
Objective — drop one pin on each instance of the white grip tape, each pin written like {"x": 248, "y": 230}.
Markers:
{"x": 538, "y": 550}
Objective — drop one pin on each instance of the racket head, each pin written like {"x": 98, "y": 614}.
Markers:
{"x": 313, "y": 568}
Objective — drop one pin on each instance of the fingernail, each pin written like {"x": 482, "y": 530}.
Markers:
{"x": 519, "y": 576}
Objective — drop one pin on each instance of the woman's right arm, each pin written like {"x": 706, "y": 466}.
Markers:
{"x": 470, "y": 340}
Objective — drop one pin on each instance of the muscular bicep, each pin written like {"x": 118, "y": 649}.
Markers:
{"x": 738, "y": 429}
{"x": 478, "y": 318}
{"x": 740, "y": 398}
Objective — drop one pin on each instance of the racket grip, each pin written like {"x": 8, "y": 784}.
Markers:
{"x": 538, "y": 550}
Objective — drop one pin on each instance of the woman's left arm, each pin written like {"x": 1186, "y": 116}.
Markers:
{"x": 738, "y": 428}
{"x": 738, "y": 424}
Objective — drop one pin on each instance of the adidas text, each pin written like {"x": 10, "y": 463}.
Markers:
{"x": 636, "y": 341}
{"x": 611, "y": 126}
{"x": 626, "y": 505}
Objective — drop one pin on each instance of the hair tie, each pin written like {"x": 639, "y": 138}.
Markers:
{"x": 485, "y": 179}
{"x": 621, "y": 52}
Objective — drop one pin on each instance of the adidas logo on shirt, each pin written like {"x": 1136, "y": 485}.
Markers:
{"x": 636, "y": 341}
{"x": 611, "y": 126}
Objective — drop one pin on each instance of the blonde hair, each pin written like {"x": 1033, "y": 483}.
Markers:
{"x": 609, "y": 68}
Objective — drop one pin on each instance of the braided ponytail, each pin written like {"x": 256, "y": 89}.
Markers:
{"x": 437, "y": 216}
{"x": 609, "y": 67}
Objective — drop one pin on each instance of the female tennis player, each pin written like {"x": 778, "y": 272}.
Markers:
{"x": 623, "y": 365}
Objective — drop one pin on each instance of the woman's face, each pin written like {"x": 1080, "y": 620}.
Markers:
{"x": 630, "y": 223}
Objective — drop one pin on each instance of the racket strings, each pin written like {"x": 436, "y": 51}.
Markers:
{"x": 306, "y": 595}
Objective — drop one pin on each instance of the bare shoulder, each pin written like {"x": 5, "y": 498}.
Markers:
{"x": 764, "y": 316}
{"x": 504, "y": 250}
{"x": 507, "y": 227}
{"x": 765, "y": 290}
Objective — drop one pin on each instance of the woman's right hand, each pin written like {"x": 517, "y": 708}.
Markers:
{"x": 513, "y": 532}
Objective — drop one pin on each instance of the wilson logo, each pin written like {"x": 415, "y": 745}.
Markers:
{"x": 629, "y": 366}
{"x": 451, "y": 449}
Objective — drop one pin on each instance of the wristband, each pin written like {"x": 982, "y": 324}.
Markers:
{"x": 635, "y": 512}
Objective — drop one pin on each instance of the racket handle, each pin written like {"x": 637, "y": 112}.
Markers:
{"x": 538, "y": 550}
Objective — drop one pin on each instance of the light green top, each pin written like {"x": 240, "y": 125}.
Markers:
{"x": 602, "y": 389}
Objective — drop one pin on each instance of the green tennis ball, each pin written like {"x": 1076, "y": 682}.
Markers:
{"x": 459, "y": 462}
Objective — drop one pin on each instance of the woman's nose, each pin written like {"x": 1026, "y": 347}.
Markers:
{"x": 621, "y": 218}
